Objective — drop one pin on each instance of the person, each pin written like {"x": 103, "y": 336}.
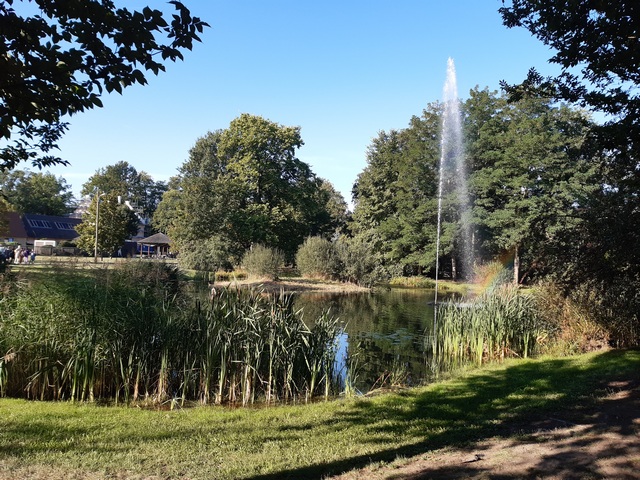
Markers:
{"x": 32, "y": 260}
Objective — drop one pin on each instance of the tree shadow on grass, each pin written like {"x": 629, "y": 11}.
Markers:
{"x": 512, "y": 402}
{"x": 521, "y": 399}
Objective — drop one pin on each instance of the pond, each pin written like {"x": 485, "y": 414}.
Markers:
{"x": 385, "y": 333}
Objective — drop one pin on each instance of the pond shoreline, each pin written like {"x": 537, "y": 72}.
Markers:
{"x": 293, "y": 285}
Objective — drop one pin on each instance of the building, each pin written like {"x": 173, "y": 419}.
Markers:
{"x": 49, "y": 227}
{"x": 39, "y": 231}
{"x": 14, "y": 231}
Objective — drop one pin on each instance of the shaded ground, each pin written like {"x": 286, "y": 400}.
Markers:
{"x": 599, "y": 441}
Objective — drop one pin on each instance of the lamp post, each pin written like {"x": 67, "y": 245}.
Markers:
{"x": 95, "y": 252}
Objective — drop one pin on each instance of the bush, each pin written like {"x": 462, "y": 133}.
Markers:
{"x": 360, "y": 263}
{"x": 579, "y": 330}
{"x": 318, "y": 258}
{"x": 206, "y": 255}
{"x": 263, "y": 262}
{"x": 492, "y": 274}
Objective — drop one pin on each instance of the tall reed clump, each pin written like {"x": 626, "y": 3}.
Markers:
{"x": 499, "y": 323}
{"x": 137, "y": 333}
{"x": 257, "y": 346}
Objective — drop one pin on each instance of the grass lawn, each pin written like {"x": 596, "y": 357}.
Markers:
{"x": 65, "y": 440}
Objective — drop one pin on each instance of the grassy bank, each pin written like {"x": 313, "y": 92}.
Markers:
{"x": 65, "y": 440}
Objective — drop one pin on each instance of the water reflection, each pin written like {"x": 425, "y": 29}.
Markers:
{"x": 384, "y": 333}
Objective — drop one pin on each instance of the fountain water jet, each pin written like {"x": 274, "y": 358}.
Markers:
{"x": 453, "y": 177}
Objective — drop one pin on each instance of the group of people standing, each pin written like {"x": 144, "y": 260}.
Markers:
{"x": 20, "y": 255}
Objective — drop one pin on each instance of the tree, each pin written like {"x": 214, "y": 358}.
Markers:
{"x": 59, "y": 61}
{"x": 40, "y": 193}
{"x": 4, "y": 220}
{"x": 597, "y": 45}
{"x": 530, "y": 175}
{"x": 116, "y": 223}
{"x": 245, "y": 186}
{"x": 125, "y": 181}
{"x": 329, "y": 211}
{"x": 395, "y": 196}
{"x": 165, "y": 218}
{"x": 529, "y": 171}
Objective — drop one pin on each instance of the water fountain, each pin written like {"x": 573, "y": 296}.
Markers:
{"x": 453, "y": 178}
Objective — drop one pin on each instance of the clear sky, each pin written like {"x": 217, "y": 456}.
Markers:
{"x": 341, "y": 70}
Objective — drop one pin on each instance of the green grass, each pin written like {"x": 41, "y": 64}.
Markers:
{"x": 447, "y": 286}
{"x": 65, "y": 440}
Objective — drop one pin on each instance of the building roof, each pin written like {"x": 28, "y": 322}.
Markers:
{"x": 50, "y": 226}
{"x": 156, "y": 239}
{"x": 15, "y": 227}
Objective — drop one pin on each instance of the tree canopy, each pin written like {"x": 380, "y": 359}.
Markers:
{"x": 597, "y": 44}
{"x": 528, "y": 175}
{"x": 122, "y": 179}
{"x": 116, "y": 223}
{"x": 243, "y": 186}
{"x": 40, "y": 192}
{"x": 58, "y": 61}
{"x": 395, "y": 196}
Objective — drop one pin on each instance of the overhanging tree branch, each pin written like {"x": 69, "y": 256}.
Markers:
{"x": 58, "y": 62}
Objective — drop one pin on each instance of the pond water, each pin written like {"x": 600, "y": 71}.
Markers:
{"x": 385, "y": 333}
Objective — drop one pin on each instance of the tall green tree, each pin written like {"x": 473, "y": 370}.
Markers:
{"x": 116, "y": 223}
{"x": 58, "y": 61}
{"x": 528, "y": 177}
{"x": 242, "y": 186}
{"x": 332, "y": 211}
{"x": 40, "y": 193}
{"x": 531, "y": 176}
{"x": 122, "y": 179}
{"x": 395, "y": 204}
{"x": 597, "y": 47}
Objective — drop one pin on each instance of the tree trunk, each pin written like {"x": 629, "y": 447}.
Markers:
{"x": 454, "y": 272}
{"x": 516, "y": 266}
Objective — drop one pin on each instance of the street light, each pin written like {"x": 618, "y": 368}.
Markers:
{"x": 95, "y": 252}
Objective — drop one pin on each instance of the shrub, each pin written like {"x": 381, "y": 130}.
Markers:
{"x": 318, "y": 257}
{"x": 360, "y": 263}
{"x": 578, "y": 329}
{"x": 206, "y": 255}
{"x": 492, "y": 274}
{"x": 263, "y": 262}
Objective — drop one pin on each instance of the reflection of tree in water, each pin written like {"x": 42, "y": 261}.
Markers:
{"x": 385, "y": 330}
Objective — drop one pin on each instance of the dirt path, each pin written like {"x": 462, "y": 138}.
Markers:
{"x": 598, "y": 442}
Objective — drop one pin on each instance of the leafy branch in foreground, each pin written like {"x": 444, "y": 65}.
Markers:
{"x": 59, "y": 61}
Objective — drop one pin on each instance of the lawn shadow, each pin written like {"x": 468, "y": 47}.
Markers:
{"x": 518, "y": 400}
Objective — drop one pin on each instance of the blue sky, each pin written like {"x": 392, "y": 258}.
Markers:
{"x": 341, "y": 70}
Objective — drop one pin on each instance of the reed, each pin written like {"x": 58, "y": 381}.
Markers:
{"x": 138, "y": 332}
{"x": 499, "y": 323}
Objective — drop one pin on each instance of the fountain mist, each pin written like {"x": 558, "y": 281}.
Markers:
{"x": 453, "y": 178}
